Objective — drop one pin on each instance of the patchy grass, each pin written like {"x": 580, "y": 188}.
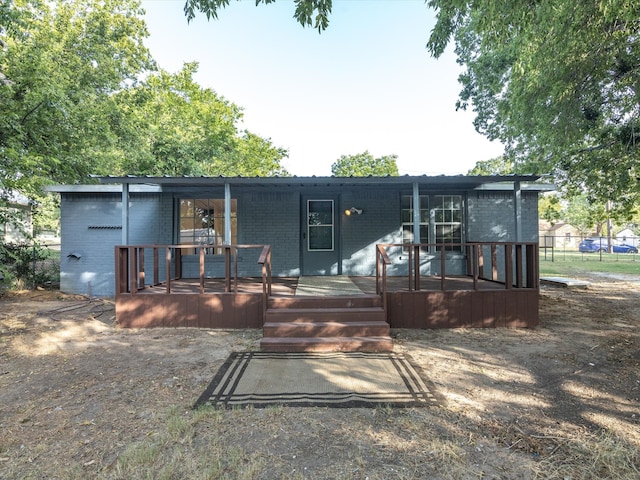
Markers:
{"x": 81, "y": 398}
{"x": 576, "y": 264}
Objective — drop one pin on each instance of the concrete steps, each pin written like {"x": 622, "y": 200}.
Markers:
{"x": 326, "y": 324}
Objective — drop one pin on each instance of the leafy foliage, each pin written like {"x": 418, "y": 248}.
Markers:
{"x": 72, "y": 103}
{"x": 170, "y": 125}
{"x": 309, "y": 13}
{"x": 495, "y": 166}
{"x": 585, "y": 215}
{"x": 364, "y": 164}
{"x": 60, "y": 63}
{"x": 550, "y": 208}
{"x": 557, "y": 81}
{"x": 27, "y": 265}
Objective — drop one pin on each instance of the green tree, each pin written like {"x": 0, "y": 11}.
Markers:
{"x": 585, "y": 215}
{"x": 557, "y": 81}
{"x": 495, "y": 166}
{"x": 364, "y": 164}
{"x": 60, "y": 63}
{"x": 170, "y": 125}
{"x": 309, "y": 13}
{"x": 550, "y": 208}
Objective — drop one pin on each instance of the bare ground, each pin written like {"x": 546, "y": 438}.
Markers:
{"x": 81, "y": 398}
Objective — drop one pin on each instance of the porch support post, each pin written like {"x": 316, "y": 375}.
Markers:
{"x": 227, "y": 213}
{"x": 416, "y": 213}
{"x": 125, "y": 214}
{"x": 517, "y": 210}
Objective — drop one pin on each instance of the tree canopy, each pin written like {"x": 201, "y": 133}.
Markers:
{"x": 309, "y": 13}
{"x": 495, "y": 166}
{"x": 170, "y": 125}
{"x": 59, "y": 63}
{"x": 364, "y": 165}
{"x": 80, "y": 94}
{"x": 557, "y": 81}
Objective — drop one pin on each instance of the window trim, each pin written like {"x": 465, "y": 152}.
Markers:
{"x": 433, "y": 201}
{"x": 219, "y": 234}
{"x": 332, "y": 224}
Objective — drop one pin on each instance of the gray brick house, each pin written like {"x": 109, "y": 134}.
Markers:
{"x": 313, "y": 225}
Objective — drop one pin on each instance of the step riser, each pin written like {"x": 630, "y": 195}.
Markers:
{"x": 325, "y": 302}
{"x": 309, "y": 330}
{"x": 346, "y": 316}
{"x": 322, "y": 324}
{"x": 340, "y": 345}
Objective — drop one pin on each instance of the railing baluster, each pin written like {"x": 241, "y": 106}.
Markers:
{"x": 168, "y": 268}
{"x": 519, "y": 269}
{"x": 508, "y": 266}
{"x": 443, "y": 263}
{"x": 201, "y": 255}
{"x": 141, "y": 272}
{"x": 156, "y": 272}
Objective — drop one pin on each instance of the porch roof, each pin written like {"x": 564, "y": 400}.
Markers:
{"x": 467, "y": 182}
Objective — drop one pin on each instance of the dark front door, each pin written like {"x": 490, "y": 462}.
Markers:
{"x": 320, "y": 252}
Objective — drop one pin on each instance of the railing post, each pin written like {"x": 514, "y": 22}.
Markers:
{"x": 156, "y": 272}
{"x": 227, "y": 268}
{"x": 508, "y": 266}
{"x": 201, "y": 257}
{"x": 269, "y": 272}
{"x": 443, "y": 263}
{"x": 416, "y": 267}
{"x": 494, "y": 262}
{"x": 265, "y": 261}
{"x": 178, "y": 251}
{"x": 122, "y": 269}
{"x": 532, "y": 268}
{"x": 133, "y": 266}
{"x": 519, "y": 269}
{"x": 141, "y": 272}
{"x": 235, "y": 270}
{"x": 168, "y": 268}
{"x": 476, "y": 262}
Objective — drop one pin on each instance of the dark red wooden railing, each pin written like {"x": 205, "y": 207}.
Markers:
{"x": 515, "y": 267}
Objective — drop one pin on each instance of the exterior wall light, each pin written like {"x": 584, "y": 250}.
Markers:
{"x": 353, "y": 211}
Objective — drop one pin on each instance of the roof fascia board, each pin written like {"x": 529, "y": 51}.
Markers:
{"x": 102, "y": 188}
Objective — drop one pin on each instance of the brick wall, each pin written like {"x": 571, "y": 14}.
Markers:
{"x": 91, "y": 226}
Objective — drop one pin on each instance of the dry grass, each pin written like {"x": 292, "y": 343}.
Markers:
{"x": 81, "y": 399}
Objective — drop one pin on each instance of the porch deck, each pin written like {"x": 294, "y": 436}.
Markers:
{"x": 493, "y": 293}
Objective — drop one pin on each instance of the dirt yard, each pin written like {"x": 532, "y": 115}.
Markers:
{"x": 81, "y": 398}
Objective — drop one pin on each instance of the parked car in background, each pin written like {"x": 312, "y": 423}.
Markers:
{"x": 591, "y": 245}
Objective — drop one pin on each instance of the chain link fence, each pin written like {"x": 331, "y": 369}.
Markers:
{"x": 572, "y": 247}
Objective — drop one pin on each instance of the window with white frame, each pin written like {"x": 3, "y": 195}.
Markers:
{"x": 407, "y": 219}
{"x": 447, "y": 220}
{"x": 202, "y": 222}
{"x": 440, "y": 221}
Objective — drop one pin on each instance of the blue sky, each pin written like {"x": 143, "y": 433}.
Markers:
{"x": 366, "y": 83}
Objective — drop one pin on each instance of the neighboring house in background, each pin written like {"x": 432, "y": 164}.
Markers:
{"x": 16, "y": 221}
{"x": 628, "y": 236}
{"x": 559, "y": 235}
{"x": 314, "y": 226}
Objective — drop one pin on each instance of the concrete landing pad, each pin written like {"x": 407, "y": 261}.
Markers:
{"x": 564, "y": 282}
